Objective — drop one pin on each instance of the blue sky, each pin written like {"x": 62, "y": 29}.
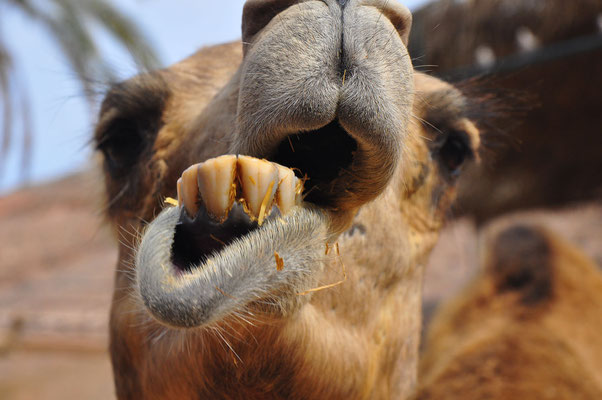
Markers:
{"x": 61, "y": 119}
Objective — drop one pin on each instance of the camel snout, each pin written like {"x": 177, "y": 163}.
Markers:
{"x": 327, "y": 75}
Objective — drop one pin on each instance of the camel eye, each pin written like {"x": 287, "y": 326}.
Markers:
{"x": 452, "y": 149}
{"x": 121, "y": 145}
{"x": 131, "y": 117}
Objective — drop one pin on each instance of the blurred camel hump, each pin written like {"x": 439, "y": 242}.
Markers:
{"x": 526, "y": 328}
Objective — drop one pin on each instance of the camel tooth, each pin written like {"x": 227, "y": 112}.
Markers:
{"x": 179, "y": 188}
{"x": 259, "y": 181}
{"x": 189, "y": 190}
{"x": 217, "y": 186}
{"x": 288, "y": 194}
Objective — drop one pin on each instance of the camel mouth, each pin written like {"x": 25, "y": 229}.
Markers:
{"x": 318, "y": 159}
{"x": 321, "y": 157}
{"x": 244, "y": 222}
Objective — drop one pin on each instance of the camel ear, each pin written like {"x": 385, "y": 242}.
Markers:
{"x": 256, "y": 14}
{"x": 399, "y": 15}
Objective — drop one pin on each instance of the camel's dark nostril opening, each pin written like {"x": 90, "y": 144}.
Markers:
{"x": 322, "y": 155}
{"x": 197, "y": 239}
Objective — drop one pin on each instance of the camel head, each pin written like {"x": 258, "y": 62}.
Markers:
{"x": 312, "y": 145}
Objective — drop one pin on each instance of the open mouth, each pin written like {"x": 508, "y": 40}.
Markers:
{"x": 252, "y": 230}
{"x": 225, "y": 198}
{"x": 321, "y": 156}
{"x": 246, "y": 230}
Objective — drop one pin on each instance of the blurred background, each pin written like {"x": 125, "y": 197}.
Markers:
{"x": 535, "y": 63}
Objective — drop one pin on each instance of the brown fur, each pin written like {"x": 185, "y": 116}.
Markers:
{"x": 526, "y": 328}
{"x": 358, "y": 340}
{"x": 545, "y": 156}
{"x": 495, "y": 23}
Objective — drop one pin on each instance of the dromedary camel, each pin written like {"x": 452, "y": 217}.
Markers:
{"x": 528, "y": 327}
{"x": 225, "y": 296}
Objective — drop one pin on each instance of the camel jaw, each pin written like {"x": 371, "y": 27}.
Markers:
{"x": 228, "y": 280}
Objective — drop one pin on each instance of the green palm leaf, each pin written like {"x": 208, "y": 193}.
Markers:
{"x": 70, "y": 24}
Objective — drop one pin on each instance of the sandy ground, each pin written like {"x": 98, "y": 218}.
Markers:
{"x": 56, "y": 273}
{"x": 49, "y": 374}
{"x": 56, "y": 270}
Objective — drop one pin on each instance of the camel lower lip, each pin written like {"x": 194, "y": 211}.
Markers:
{"x": 199, "y": 295}
{"x": 196, "y": 239}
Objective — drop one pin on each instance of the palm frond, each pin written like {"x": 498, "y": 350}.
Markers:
{"x": 126, "y": 33}
{"x": 70, "y": 24}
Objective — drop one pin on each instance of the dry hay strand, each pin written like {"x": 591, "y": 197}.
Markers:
{"x": 330, "y": 285}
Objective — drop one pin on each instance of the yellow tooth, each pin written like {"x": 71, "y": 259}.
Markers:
{"x": 259, "y": 181}
{"x": 217, "y": 186}
{"x": 288, "y": 183}
{"x": 179, "y": 188}
{"x": 189, "y": 190}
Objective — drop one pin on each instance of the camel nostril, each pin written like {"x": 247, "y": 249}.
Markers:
{"x": 399, "y": 15}
{"x": 258, "y": 13}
